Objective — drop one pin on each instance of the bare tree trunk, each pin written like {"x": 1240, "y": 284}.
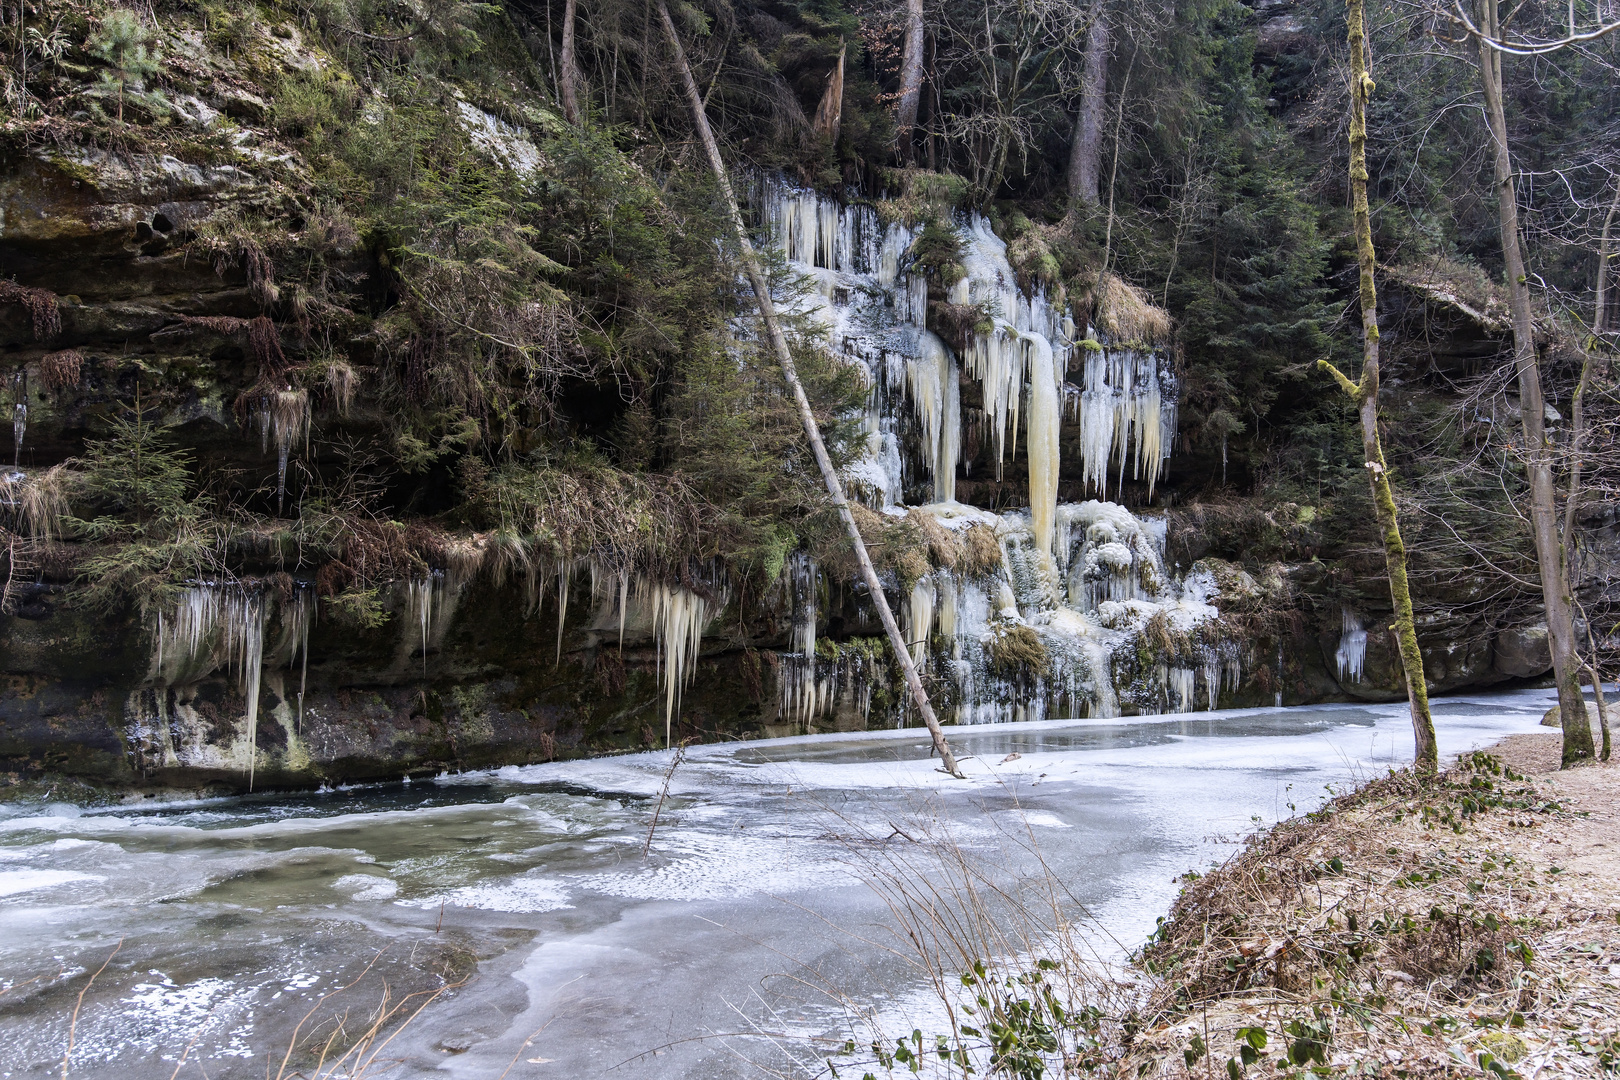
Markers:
{"x": 1113, "y": 173}
{"x": 570, "y": 68}
{"x": 1600, "y": 327}
{"x": 1085, "y": 157}
{"x": 1365, "y": 394}
{"x": 807, "y": 416}
{"x": 1550, "y": 554}
{"x": 830, "y": 113}
{"x": 1600, "y": 317}
{"x": 911, "y": 79}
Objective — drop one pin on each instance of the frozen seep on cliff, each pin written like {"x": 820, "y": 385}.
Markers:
{"x": 1077, "y": 615}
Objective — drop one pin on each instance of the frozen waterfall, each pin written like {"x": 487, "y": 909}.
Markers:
{"x": 1352, "y": 653}
{"x": 861, "y": 292}
{"x": 1088, "y": 580}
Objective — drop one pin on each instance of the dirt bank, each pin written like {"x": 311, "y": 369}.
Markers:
{"x": 1459, "y": 926}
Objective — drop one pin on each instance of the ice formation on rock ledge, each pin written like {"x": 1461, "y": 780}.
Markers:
{"x": 1090, "y": 604}
{"x": 629, "y": 603}
{"x": 1352, "y": 653}
{"x": 1087, "y": 578}
{"x": 214, "y": 626}
{"x": 874, "y": 312}
{"x": 19, "y": 414}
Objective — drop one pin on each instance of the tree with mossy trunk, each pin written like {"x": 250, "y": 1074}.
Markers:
{"x": 1365, "y": 394}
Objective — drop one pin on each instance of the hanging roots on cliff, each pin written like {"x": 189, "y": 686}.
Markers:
{"x": 61, "y": 370}
{"x": 42, "y": 307}
{"x": 237, "y": 248}
{"x": 377, "y": 551}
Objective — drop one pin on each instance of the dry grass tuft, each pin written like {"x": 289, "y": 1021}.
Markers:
{"x": 341, "y": 384}
{"x": 1452, "y": 926}
{"x": 981, "y": 551}
{"x": 943, "y": 546}
{"x": 1125, "y": 314}
{"x": 1018, "y": 650}
{"x": 1405, "y": 927}
{"x": 35, "y": 505}
{"x": 897, "y": 547}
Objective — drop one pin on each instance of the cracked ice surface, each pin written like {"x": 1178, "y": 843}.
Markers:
{"x": 237, "y": 914}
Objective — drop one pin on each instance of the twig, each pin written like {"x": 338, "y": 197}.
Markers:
{"x": 680, "y": 752}
{"x": 73, "y": 1026}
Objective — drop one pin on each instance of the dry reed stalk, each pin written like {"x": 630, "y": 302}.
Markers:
{"x": 1409, "y": 928}
{"x": 1026, "y": 983}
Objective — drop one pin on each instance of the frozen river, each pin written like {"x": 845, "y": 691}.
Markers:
{"x": 577, "y": 956}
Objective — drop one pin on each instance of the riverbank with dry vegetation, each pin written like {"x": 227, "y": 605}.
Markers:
{"x": 1456, "y": 926}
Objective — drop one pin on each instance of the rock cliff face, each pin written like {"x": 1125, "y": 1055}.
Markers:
{"x": 320, "y": 606}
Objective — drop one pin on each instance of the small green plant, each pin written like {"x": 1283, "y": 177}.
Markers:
{"x": 124, "y": 44}
{"x": 134, "y": 489}
{"x": 1308, "y": 1041}
{"x": 1251, "y": 1045}
{"x": 359, "y": 608}
{"x": 230, "y": 31}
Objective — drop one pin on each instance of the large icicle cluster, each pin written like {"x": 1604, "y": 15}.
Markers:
{"x": 1086, "y": 578}
{"x": 1126, "y": 409}
{"x": 874, "y": 313}
{"x": 1352, "y": 652}
{"x": 217, "y": 626}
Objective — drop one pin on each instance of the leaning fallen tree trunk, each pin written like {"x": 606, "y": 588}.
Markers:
{"x": 1365, "y": 395}
{"x": 773, "y": 330}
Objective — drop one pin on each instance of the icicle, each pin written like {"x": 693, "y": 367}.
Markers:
{"x": 624, "y": 603}
{"x": 1179, "y": 685}
{"x": 999, "y": 361}
{"x": 246, "y": 627}
{"x": 945, "y": 607}
{"x": 215, "y": 626}
{"x": 1045, "y": 424}
{"x": 424, "y": 598}
{"x": 679, "y": 618}
{"x": 19, "y": 414}
{"x": 919, "y": 617}
{"x": 1352, "y": 654}
{"x": 936, "y": 396}
{"x": 807, "y": 688}
{"x": 565, "y": 569}
{"x": 803, "y": 577}
{"x": 306, "y": 619}
{"x": 1122, "y": 407}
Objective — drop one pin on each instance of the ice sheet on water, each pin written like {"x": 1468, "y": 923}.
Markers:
{"x": 367, "y": 887}
{"x": 529, "y": 894}
{"x": 13, "y": 882}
